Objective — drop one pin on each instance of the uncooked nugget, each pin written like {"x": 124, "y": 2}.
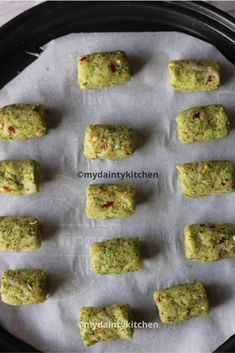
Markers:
{"x": 19, "y": 177}
{"x": 105, "y": 69}
{"x": 24, "y": 286}
{"x": 19, "y": 233}
{"x": 22, "y": 121}
{"x": 181, "y": 302}
{"x": 200, "y": 124}
{"x": 105, "y": 324}
{"x": 209, "y": 242}
{"x": 107, "y": 201}
{"x": 109, "y": 141}
{"x": 116, "y": 256}
{"x": 206, "y": 178}
{"x": 194, "y": 75}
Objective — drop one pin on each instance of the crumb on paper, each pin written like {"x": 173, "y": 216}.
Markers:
{"x": 33, "y": 54}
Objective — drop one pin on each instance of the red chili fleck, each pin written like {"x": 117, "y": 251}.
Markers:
{"x": 209, "y": 79}
{"x": 113, "y": 68}
{"x": 222, "y": 183}
{"x": 35, "y": 109}
{"x": 104, "y": 145}
{"x": 196, "y": 116}
{"x": 221, "y": 241}
{"x": 83, "y": 58}
{"x": 158, "y": 300}
{"x": 6, "y": 188}
{"x": 11, "y": 129}
{"x": 108, "y": 204}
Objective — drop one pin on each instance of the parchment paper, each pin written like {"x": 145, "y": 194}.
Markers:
{"x": 150, "y": 106}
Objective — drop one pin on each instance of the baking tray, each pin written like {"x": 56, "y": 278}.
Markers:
{"x": 32, "y": 29}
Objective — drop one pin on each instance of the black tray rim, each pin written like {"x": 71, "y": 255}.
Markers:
{"x": 15, "y": 38}
{"x": 28, "y": 33}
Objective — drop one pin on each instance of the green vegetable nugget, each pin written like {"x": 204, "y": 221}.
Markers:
{"x": 181, "y": 302}
{"x": 19, "y": 177}
{"x": 107, "y": 201}
{"x": 24, "y": 286}
{"x": 19, "y": 233}
{"x": 194, "y": 75}
{"x": 206, "y": 178}
{"x": 209, "y": 242}
{"x": 109, "y": 141}
{"x": 105, "y": 324}
{"x": 199, "y": 124}
{"x": 116, "y": 256}
{"x": 106, "y": 69}
{"x": 22, "y": 121}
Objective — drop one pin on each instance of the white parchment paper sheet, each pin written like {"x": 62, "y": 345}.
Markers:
{"x": 150, "y": 106}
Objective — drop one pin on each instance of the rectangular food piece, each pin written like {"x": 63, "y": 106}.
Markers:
{"x": 200, "y": 124}
{"x": 194, "y": 75}
{"x": 19, "y": 233}
{"x": 209, "y": 242}
{"x": 109, "y": 141}
{"x": 107, "y": 201}
{"x": 181, "y": 302}
{"x": 19, "y": 177}
{"x": 116, "y": 256}
{"x": 206, "y": 178}
{"x": 22, "y": 121}
{"x": 24, "y": 286}
{"x": 105, "y": 324}
{"x": 105, "y": 69}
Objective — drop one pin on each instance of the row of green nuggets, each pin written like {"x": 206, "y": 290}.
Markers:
{"x": 194, "y": 125}
{"x": 107, "y": 69}
{"x": 175, "y": 304}
{"x": 203, "y": 242}
{"x": 107, "y": 201}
